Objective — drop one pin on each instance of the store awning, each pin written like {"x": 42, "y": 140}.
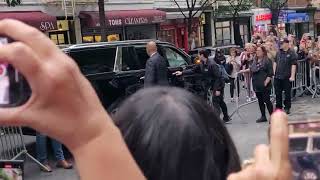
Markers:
{"x": 40, "y": 20}
{"x": 120, "y": 18}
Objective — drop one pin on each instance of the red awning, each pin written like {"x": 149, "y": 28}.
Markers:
{"x": 40, "y": 20}
{"x": 121, "y": 18}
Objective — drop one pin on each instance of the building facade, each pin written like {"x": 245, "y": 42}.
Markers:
{"x": 76, "y": 21}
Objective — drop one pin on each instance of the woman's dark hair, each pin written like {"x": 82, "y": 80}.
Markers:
{"x": 204, "y": 53}
{"x": 264, "y": 50}
{"x": 174, "y": 135}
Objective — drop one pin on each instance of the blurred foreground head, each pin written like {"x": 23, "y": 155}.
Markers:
{"x": 174, "y": 135}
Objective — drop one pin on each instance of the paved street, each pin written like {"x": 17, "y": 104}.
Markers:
{"x": 245, "y": 131}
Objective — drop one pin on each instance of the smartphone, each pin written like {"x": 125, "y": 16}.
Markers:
{"x": 11, "y": 170}
{"x": 12, "y": 91}
{"x": 304, "y": 150}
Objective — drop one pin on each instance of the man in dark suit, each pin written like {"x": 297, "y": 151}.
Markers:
{"x": 156, "y": 67}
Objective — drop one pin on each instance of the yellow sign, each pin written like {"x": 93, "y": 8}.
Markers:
{"x": 63, "y": 25}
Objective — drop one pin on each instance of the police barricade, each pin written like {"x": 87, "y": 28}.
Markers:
{"x": 315, "y": 80}
{"x": 12, "y": 145}
{"x": 300, "y": 85}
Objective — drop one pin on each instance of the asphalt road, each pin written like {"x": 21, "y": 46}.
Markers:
{"x": 245, "y": 131}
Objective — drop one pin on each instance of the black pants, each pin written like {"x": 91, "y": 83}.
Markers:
{"x": 281, "y": 85}
{"x": 218, "y": 102}
{"x": 233, "y": 81}
{"x": 264, "y": 100}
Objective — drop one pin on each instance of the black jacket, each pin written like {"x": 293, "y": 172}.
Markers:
{"x": 156, "y": 71}
{"x": 284, "y": 61}
{"x": 211, "y": 74}
{"x": 260, "y": 72}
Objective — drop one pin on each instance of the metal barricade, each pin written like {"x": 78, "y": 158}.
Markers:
{"x": 315, "y": 79}
{"x": 12, "y": 145}
{"x": 300, "y": 85}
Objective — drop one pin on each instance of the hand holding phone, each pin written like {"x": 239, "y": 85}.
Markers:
{"x": 270, "y": 163}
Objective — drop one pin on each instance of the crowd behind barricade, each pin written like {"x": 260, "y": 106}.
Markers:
{"x": 270, "y": 65}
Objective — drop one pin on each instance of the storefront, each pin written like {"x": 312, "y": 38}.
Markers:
{"x": 261, "y": 20}
{"x": 37, "y": 19}
{"x": 175, "y": 31}
{"x": 122, "y": 25}
{"x": 317, "y": 23}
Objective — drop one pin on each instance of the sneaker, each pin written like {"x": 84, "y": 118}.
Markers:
{"x": 262, "y": 119}
{"x": 287, "y": 111}
{"x": 47, "y": 168}
{"x": 226, "y": 119}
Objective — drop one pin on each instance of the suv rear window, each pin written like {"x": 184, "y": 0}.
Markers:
{"x": 95, "y": 60}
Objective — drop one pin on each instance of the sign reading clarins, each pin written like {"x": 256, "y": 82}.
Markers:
{"x": 122, "y": 18}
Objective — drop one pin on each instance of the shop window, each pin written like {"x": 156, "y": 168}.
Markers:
{"x": 174, "y": 58}
{"x": 95, "y": 60}
{"x": 244, "y": 33}
{"x": 97, "y": 38}
{"x": 129, "y": 59}
{"x": 167, "y": 36}
{"x": 223, "y": 33}
{"x": 59, "y": 37}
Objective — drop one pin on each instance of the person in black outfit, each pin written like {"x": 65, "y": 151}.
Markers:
{"x": 285, "y": 69}
{"x": 156, "y": 68}
{"x": 211, "y": 79}
{"x": 262, "y": 73}
{"x": 219, "y": 57}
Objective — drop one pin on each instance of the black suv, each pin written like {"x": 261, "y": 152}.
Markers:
{"x": 116, "y": 69}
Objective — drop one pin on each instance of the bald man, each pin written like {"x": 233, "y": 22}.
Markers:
{"x": 156, "y": 67}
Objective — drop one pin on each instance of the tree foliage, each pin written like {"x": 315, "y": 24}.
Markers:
{"x": 234, "y": 7}
{"x": 275, "y": 7}
{"x": 13, "y": 2}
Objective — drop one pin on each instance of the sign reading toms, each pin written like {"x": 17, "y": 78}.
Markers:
{"x": 131, "y": 21}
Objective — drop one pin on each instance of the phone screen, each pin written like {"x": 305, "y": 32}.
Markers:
{"x": 304, "y": 140}
{"x": 11, "y": 170}
{"x": 11, "y": 82}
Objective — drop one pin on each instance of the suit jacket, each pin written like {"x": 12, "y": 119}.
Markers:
{"x": 156, "y": 71}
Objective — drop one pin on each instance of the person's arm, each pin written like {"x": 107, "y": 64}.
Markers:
{"x": 64, "y": 107}
{"x": 106, "y": 157}
{"x": 269, "y": 73}
{"x": 293, "y": 68}
{"x": 149, "y": 73}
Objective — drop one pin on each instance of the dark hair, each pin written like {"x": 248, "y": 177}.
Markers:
{"x": 204, "y": 53}
{"x": 174, "y": 135}
{"x": 264, "y": 50}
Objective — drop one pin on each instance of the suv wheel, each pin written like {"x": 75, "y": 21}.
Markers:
{"x": 309, "y": 174}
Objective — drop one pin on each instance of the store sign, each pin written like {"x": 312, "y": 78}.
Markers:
{"x": 47, "y": 26}
{"x": 264, "y": 17}
{"x": 297, "y": 18}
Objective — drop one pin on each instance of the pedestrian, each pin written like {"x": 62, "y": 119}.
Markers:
{"x": 219, "y": 57}
{"x": 246, "y": 59}
{"x": 212, "y": 80}
{"x": 156, "y": 67}
{"x": 42, "y": 155}
{"x": 285, "y": 71}
{"x": 234, "y": 63}
{"x": 262, "y": 73}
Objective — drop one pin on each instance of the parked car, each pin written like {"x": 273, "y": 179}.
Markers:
{"x": 305, "y": 156}
{"x": 225, "y": 49}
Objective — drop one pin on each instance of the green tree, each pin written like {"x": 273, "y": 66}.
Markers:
{"x": 13, "y": 2}
{"x": 233, "y": 9}
{"x": 275, "y": 7}
{"x": 102, "y": 17}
